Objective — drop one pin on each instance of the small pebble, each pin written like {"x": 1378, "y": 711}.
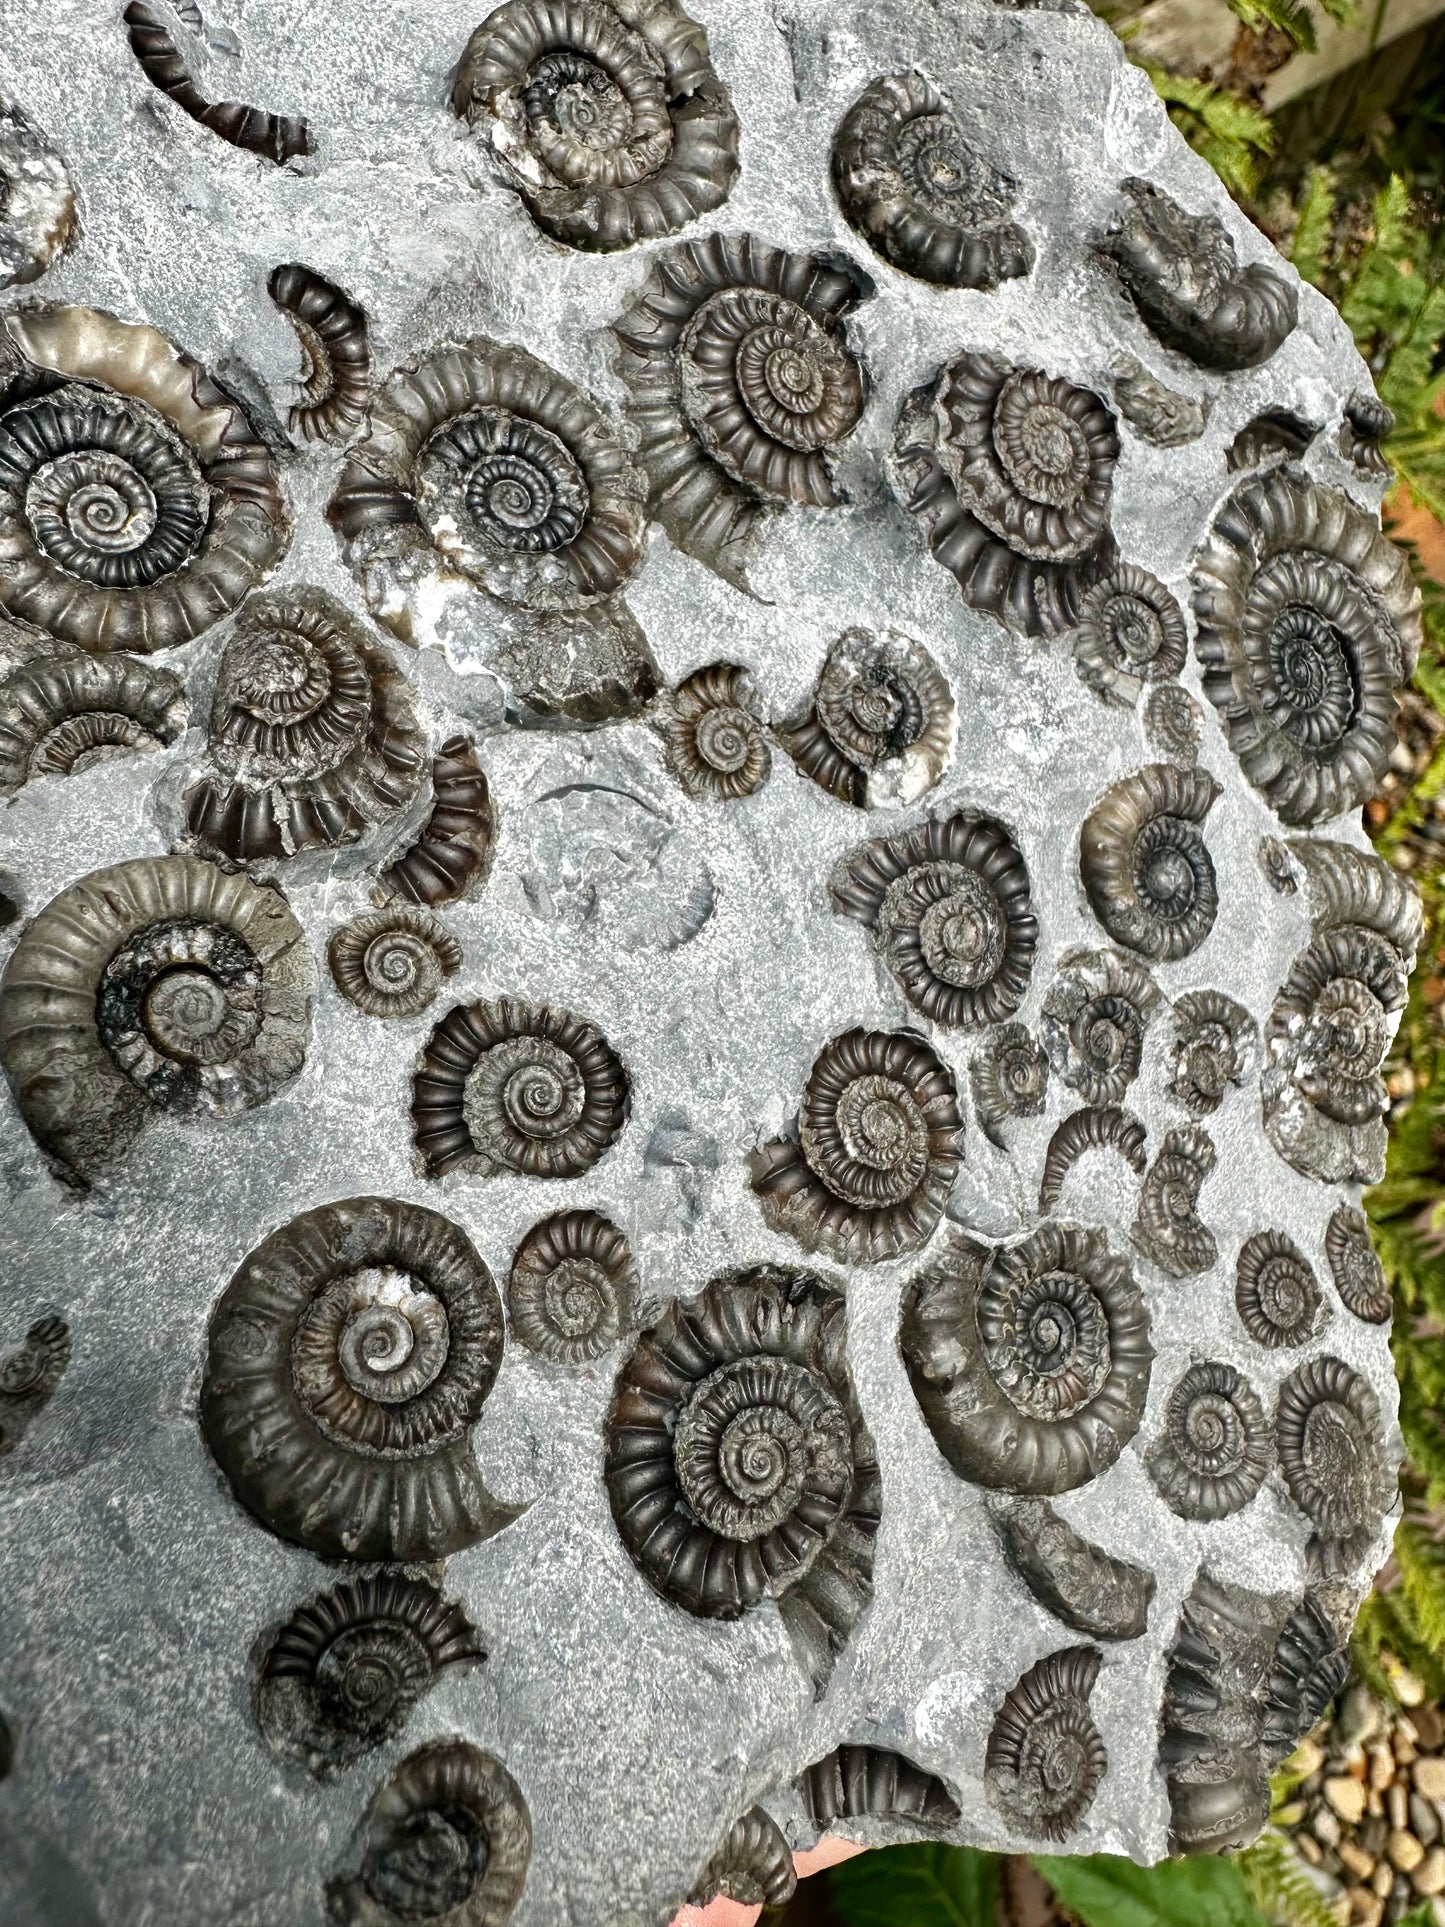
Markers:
{"x": 1326, "y": 1828}
{"x": 1405, "y": 1850}
{"x": 1424, "y": 1821}
{"x": 1309, "y": 1848}
{"x": 1382, "y": 1767}
{"x": 1384, "y": 1879}
{"x": 1360, "y": 1863}
{"x": 1358, "y": 1717}
{"x": 1397, "y": 1805}
{"x": 1429, "y": 1877}
{"x": 1308, "y": 1758}
{"x": 1347, "y": 1797}
{"x": 1429, "y": 1728}
{"x": 1373, "y": 1835}
{"x": 1368, "y": 1908}
{"x": 1405, "y": 1754}
{"x": 1429, "y": 1777}
{"x": 1375, "y": 1804}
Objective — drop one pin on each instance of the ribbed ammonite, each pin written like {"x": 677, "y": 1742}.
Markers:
{"x": 881, "y": 724}
{"x": 573, "y": 1288}
{"x": 1131, "y": 633}
{"x": 1045, "y": 1756}
{"x": 1275, "y": 1291}
{"x": 1332, "y": 1454}
{"x": 1093, "y": 1022}
{"x": 1145, "y": 867}
{"x": 1215, "y": 1450}
{"x": 713, "y": 737}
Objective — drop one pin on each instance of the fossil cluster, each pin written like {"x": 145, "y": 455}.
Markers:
{"x": 691, "y": 1005}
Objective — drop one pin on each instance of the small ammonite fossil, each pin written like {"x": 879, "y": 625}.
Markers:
{"x": 447, "y": 1838}
{"x": 573, "y": 1288}
{"x": 743, "y": 387}
{"x": 1173, "y": 724}
{"x": 1332, "y": 1454}
{"x": 1167, "y": 1226}
{"x": 137, "y": 504}
{"x": 879, "y": 1142}
{"x": 1275, "y": 1291}
{"x": 1276, "y": 435}
{"x": 1214, "y": 1452}
{"x": 1093, "y": 1022}
{"x": 275, "y": 137}
{"x": 1045, "y": 1756}
{"x": 29, "y": 1376}
{"x": 1358, "y": 1274}
{"x": 344, "y": 1672}
{"x": 161, "y": 984}
{"x": 1010, "y": 471}
{"x": 350, "y": 1357}
{"x": 713, "y": 737}
{"x": 1009, "y": 1078}
{"x": 1156, "y": 412}
{"x": 919, "y": 190}
{"x": 1366, "y": 426}
{"x": 1145, "y": 867}
{"x": 335, "y": 355}
{"x": 610, "y": 120}
{"x": 1080, "y": 1583}
{"x": 451, "y": 854}
{"x": 751, "y": 1864}
{"x": 1030, "y": 1361}
{"x": 1216, "y": 1044}
{"x": 881, "y": 724}
{"x": 391, "y": 963}
{"x": 38, "y": 220}
{"x": 1095, "y": 1128}
{"x": 737, "y": 1462}
{"x": 1131, "y": 633}
{"x": 951, "y": 913}
{"x": 64, "y": 712}
{"x": 873, "y": 1782}
{"x": 514, "y": 1087}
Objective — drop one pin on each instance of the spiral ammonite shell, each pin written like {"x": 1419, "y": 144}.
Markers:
{"x": 879, "y": 1144}
{"x": 1095, "y": 1128}
{"x": 712, "y": 734}
{"x": 1081, "y": 1584}
{"x": 1045, "y": 1757}
{"x": 1275, "y": 1290}
{"x": 1131, "y": 632}
{"x": 1173, "y": 724}
{"x": 335, "y": 355}
{"x": 65, "y": 712}
{"x": 951, "y": 913}
{"x": 37, "y": 202}
{"x": 516, "y": 1087}
{"x": 1216, "y": 1045}
{"x": 1167, "y": 1227}
{"x": 573, "y": 1288}
{"x": 1366, "y": 425}
{"x": 136, "y": 503}
{"x": 1144, "y": 864}
{"x": 752, "y": 1865}
{"x": 29, "y": 1376}
{"x": 920, "y": 192}
{"x": 350, "y": 1357}
{"x": 1214, "y": 1452}
{"x": 738, "y": 1464}
{"x": 1310, "y": 1669}
{"x": 1009, "y": 1078}
{"x": 1093, "y": 1022}
{"x": 881, "y": 725}
{"x": 391, "y": 963}
{"x": 609, "y": 118}
{"x": 1332, "y": 1452}
{"x": 451, "y": 854}
{"x": 873, "y": 1782}
{"x": 1358, "y": 1274}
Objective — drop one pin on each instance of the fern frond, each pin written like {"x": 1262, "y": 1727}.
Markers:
{"x": 1311, "y": 246}
{"x": 1279, "y": 1886}
{"x": 1220, "y": 126}
{"x": 1290, "y": 16}
{"x": 1422, "y": 1574}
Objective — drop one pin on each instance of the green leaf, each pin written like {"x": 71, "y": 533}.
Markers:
{"x": 925, "y": 1886}
{"x": 1310, "y": 250}
{"x": 1107, "y": 1892}
{"x": 1291, "y": 16}
{"x": 1279, "y": 1886}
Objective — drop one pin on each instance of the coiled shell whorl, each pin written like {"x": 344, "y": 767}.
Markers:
{"x": 1216, "y": 1044}
{"x": 1077, "y": 1581}
{"x": 1009, "y": 1078}
{"x": 1358, "y": 1274}
{"x": 29, "y": 1376}
{"x": 1173, "y": 724}
{"x": 65, "y": 712}
{"x": 1214, "y": 1452}
{"x": 573, "y": 1288}
{"x": 1367, "y": 424}
{"x": 712, "y": 734}
{"x": 751, "y": 1865}
{"x": 1332, "y": 1454}
{"x": 1045, "y": 1756}
{"x": 275, "y": 137}
{"x": 1167, "y": 1227}
{"x": 875, "y": 1783}
{"x": 1275, "y": 1291}
{"x": 1095, "y": 1128}
{"x": 335, "y": 355}
{"x": 391, "y": 963}
{"x": 1144, "y": 864}
{"x": 451, "y": 855}
{"x": 38, "y": 221}
{"x": 1131, "y": 632}
{"x": 1093, "y": 1021}
{"x": 881, "y": 725}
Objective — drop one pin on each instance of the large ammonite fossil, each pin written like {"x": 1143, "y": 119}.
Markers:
{"x": 37, "y": 202}
{"x": 136, "y": 503}
{"x": 1308, "y": 624}
{"x": 881, "y": 724}
{"x": 1144, "y": 863}
{"x": 1045, "y": 1757}
{"x": 65, "y": 711}
{"x": 573, "y": 1288}
{"x": 513, "y": 1087}
{"x": 919, "y": 191}
{"x": 349, "y": 1359}
{"x": 1031, "y": 1361}
{"x": 1093, "y": 1022}
{"x": 1011, "y": 473}
{"x": 742, "y": 388}
{"x": 951, "y": 913}
{"x": 738, "y": 1464}
{"x": 1332, "y": 1455}
{"x": 161, "y": 984}
{"x": 879, "y": 1142}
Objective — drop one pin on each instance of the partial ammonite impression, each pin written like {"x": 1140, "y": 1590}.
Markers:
{"x": 349, "y": 1359}
{"x": 391, "y": 963}
{"x": 875, "y": 1783}
{"x": 751, "y": 1864}
{"x": 1093, "y": 1022}
{"x": 1358, "y": 1274}
{"x": 275, "y": 137}
{"x": 1045, "y": 1756}
{"x": 1215, "y": 1451}
{"x": 1167, "y": 1227}
{"x": 1131, "y": 632}
{"x": 1009, "y": 1078}
{"x": 920, "y": 191}
{"x": 1030, "y": 1361}
{"x": 165, "y": 984}
{"x": 879, "y": 1142}
{"x": 881, "y": 725}
{"x": 137, "y": 504}
{"x": 1216, "y": 1044}
{"x": 1097, "y": 1127}
{"x": 1081, "y": 1584}
{"x": 335, "y": 356}
{"x": 1275, "y": 1291}
{"x": 451, "y": 855}
{"x": 738, "y": 1464}
{"x": 1332, "y": 1454}
{"x": 1367, "y": 425}
{"x": 573, "y": 1288}
{"x": 513, "y": 1087}
{"x": 951, "y": 913}
{"x": 1144, "y": 863}
{"x": 610, "y": 119}
{"x": 1173, "y": 724}
{"x": 63, "y": 711}
{"x": 37, "y": 202}
{"x": 713, "y": 737}
{"x": 29, "y": 1376}
{"x": 1278, "y": 434}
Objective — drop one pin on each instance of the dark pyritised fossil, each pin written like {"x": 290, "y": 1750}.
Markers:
{"x": 344, "y": 1672}
{"x": 1093, "y": 1022}
{"x": 1332, "y": 1454}
{"x": 312, "y": 735}
{"x": 742, "y": 389}
{"x": 1310, "y": 1669}
{"x": 335, "y": 357}
{"x": 1167, "y": 1226}
{"x": 1279, "y": 866}
{"x": 1131, "y": 632}
{"x": 1184, "y": 277}
{"x": 871, "y": 1782}
{"x": 879, "y": 1142}
{"x": 1079, "y": 1582}
{"x": 609, "y": 119}
{"x": 1275, "y": 1290}
{"x": 918, "y": 190}
{"x": 37, "y": 202}
{"x": 1273, "y": 436}
{"x": 1214, "y": 1452}
{"x": 1358, "y": 1274}
{"x": 738, "y": 1464}
{"x": 391, "y": 963}
{"x": 880, "y": 729}
{"x": 573, "y": 1288}
{"x": 161, "y": 984}
{"x": 1144, "y": 864}
{"x": 1011, "y": 473}
{"x": 1031, "y": 1361}
{"x": 519, "y": 1088}
{"x": 275, "y": 137}
{"x": 1173, "y": 724}
{"x": 1155, "y": 412}
{"x": 1216, "y": 1044}
{"x": 1367, "y": 424}
{"x": 1308, "y": 622}
{"x": 447, "y": 1838}
{"x": 951, "y": 914}
{"x": 136, "y": 504}
{"x": 712, "y": 735}
{"x": 65, "y": 712}
{"x": 1009, "y": 1077}
{"x": 751, "y": 1865}
{"x": 349, "y": 1359}
{"x": 1045, "y": 1757}
{"x": 29, "y": 1376}
{"x": 1095, "y": 1128}
{"x": 452, "y": 854}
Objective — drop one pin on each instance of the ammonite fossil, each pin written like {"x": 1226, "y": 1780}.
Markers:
{"x": 1332, "y": 1454}
{"x": 1167, "y": 1227}
{"x": 1216, "y": 1044}
{"x": 161, "y": 984}
{"x": 391, "y": 963}
{"x": 1079, "y": 1582}
{"x": 29, "y": 1376}
{"x": 873, "y": 1782}
{"x": 349, "y": 1359}
{"x": 516, "y": 1087}
{"x": 742, "y": 387}
{"x": 880, "y": 729}
{"x": 136, "y": 504}
{"x": 1093, "y": 1022}
{"x": 1214, "y": 1452}
{"x": 1010, "y": 470}
{"x": 712, "y": 734}
{"x": 1045, "y": 1756}
{"x": 1183, "y": 275}
{"x": 610, "y": 120}
{"x": 1367, "y": 424}
{"x": 1095, "y": 1128}
{"x": 1308, "y": 623}
{"x": 1155, "y": 412}
{"x": 1276, "y": 435}
{"x": 1275, "y": 1290}
{"x": 1310, "y": 1669}
{"x": 1144, "y": 864}
{"x": 1009, "y": 1078}
{"x": 344, "y": 1672}
{"x": 447, "y": 1838}
{"x": 1173, "y": 724}
{"x": 738, "y": 1464}
{"x": 275, "y": 137}
{"x": 1131, "y": 632}
{"x": 312, "y": 734}
{"x": 573, "y": 1288}
{"x": 66, "y": 712}
{"x": 751, "y": 1865}
{"x": 920, "y": 192}
{"x": 1358, "y": 1274}
{"x": 951, "y": 914}
{"x": 335, "y": 357}
{"x": 37, "y": 202}
{"x": 879, "y": 1142}
{"x": 1030, "y": 1361}
{"x": 451, "y": 854}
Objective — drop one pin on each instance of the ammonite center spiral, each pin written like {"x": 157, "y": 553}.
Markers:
{"x": 752, "y": 1438}
{"x": 517, "y": 485}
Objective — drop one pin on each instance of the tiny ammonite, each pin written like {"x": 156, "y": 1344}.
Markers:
{"x": 573, "y": 1288}
{"x": 391, "y": 963}
{"x": 880, "y": 727}
{"x": 1131, "y": 634}
{"x": 712, "y": 734}
{"x": 1094, "y": 1018}
{"x": 1045, "y": 1756}
{"x": 335, "y": 355}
